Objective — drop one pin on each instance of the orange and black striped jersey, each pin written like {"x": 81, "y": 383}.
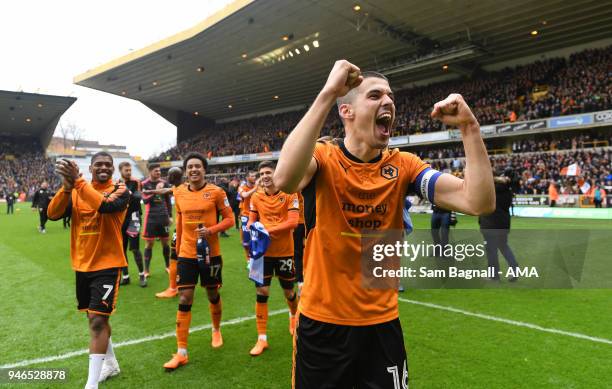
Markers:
{"x": 245, "y": 204}
{"x": 203, "y": 206}
{"x": 279, "y": 214}
{"x": 344, "y": 197}
{"x": 98, "y": 211}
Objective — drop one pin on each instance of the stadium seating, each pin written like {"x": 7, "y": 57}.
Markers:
{"x": 543, "y": 89}
{"x": 23, "y": 166}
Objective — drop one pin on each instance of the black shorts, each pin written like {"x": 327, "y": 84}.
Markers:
{"x": 154, "y": 229}
{"x": 97, "y": 291}
{"x": 281, "y": 267}
{"x": 337, "y": 356}
{"x": 188, "y": 271}
{"x": 131, "y": 243}
{"x": 298, "y": 251}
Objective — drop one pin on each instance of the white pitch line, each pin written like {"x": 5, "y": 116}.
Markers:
{"x": 71, "y": 354}
{"x": 508, "y": 321}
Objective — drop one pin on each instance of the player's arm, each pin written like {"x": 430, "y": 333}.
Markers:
{"x": 161, "y": 191}
{"x": 227, "y": 215}
{"x": 253, "y": 213}
{"x": 247, "y": 193}
{"x": 296, "y": 164}
{"x": 475, "y": 194}
{"x": 60, "y": 205}
{"x": 289, "y": 224}
{"x": 116, "y": 201}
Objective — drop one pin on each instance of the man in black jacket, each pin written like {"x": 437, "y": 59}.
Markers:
{"x": 41, "y": 201}
{"x": 9, "y": 196}
{"x": 495, "y": 227}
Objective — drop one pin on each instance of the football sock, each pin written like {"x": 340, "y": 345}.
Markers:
{"x": 95, "y": 366}
{"x": 166, "y": 251}
{"x": 110, "y": 353}
{"x": 148, "y": 253}
{"x": 261, "y": 315}
{"x": 216, "y": 308}
{"x": 172, "y": 273}
{"x": 183, "y": 321}
{"x": 138, "y": 260}
{"x": 292, "y": 302}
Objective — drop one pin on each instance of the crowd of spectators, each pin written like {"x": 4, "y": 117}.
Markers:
{"x": 23, "y": 166}
{"x": 539, "y": 142}
{"x": 534, "y": 172}
{"x": 553, "y": 87}
{"x": 534, "y": 164}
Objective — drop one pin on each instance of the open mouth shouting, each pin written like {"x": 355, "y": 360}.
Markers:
{"x": 383, "y": 123}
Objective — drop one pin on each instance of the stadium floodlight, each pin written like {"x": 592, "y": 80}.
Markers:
{"x": 291, "y": 54}
{"x": 306, "y": 48}
{"x": 315, "y": 44}
{"x": 297, "y": 51}
{"x": 434, "y": 59}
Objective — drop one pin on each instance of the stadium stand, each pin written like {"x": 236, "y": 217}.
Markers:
{"x": 18, "y": 160}
{"x": 554, "y": 87}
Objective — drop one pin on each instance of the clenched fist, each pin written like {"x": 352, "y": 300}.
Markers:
{"x": 454, "y": 111}
{"x": 343, "y": 77}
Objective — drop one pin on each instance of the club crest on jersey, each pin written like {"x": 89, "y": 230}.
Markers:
{"x": 282, "y": 199}
{"x": 206, "y": 195}
{"x": 389, "y": 171}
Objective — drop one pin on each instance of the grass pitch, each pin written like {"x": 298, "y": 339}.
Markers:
{"x": 461, "y": 339}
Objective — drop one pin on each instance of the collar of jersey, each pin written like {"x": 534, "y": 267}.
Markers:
{"x": 189, "y": 187}
{"x": 99, "y": 185}
{"x": 354, "y": 158}
{"x": 273, "y": 194}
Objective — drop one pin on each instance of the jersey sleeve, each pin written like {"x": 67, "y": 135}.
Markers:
{"x": 221, "y": 201}
{"x": 253, "y": 204}
{"x": 421, "y": 176}
{"x": 320, "y": 153}
{"x": 294, "y": 202}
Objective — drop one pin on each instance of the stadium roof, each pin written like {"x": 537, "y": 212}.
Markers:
{"x": 31, "y": 114}
{"x": 232, "y": 63}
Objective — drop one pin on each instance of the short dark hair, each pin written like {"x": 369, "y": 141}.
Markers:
{"x": 196, "y": 155}
{"x": 101, "y": 154}
{"x": 349, "y": 96}
{"x": 265, "y": 164}
{"x": 153, "y": 165}
{"x": 124, "y": 164}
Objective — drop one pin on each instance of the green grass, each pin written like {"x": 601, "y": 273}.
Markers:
{"x": 446, "y": 349}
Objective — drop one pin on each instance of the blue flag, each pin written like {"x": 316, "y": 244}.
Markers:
{"x": 260, "y": 240}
